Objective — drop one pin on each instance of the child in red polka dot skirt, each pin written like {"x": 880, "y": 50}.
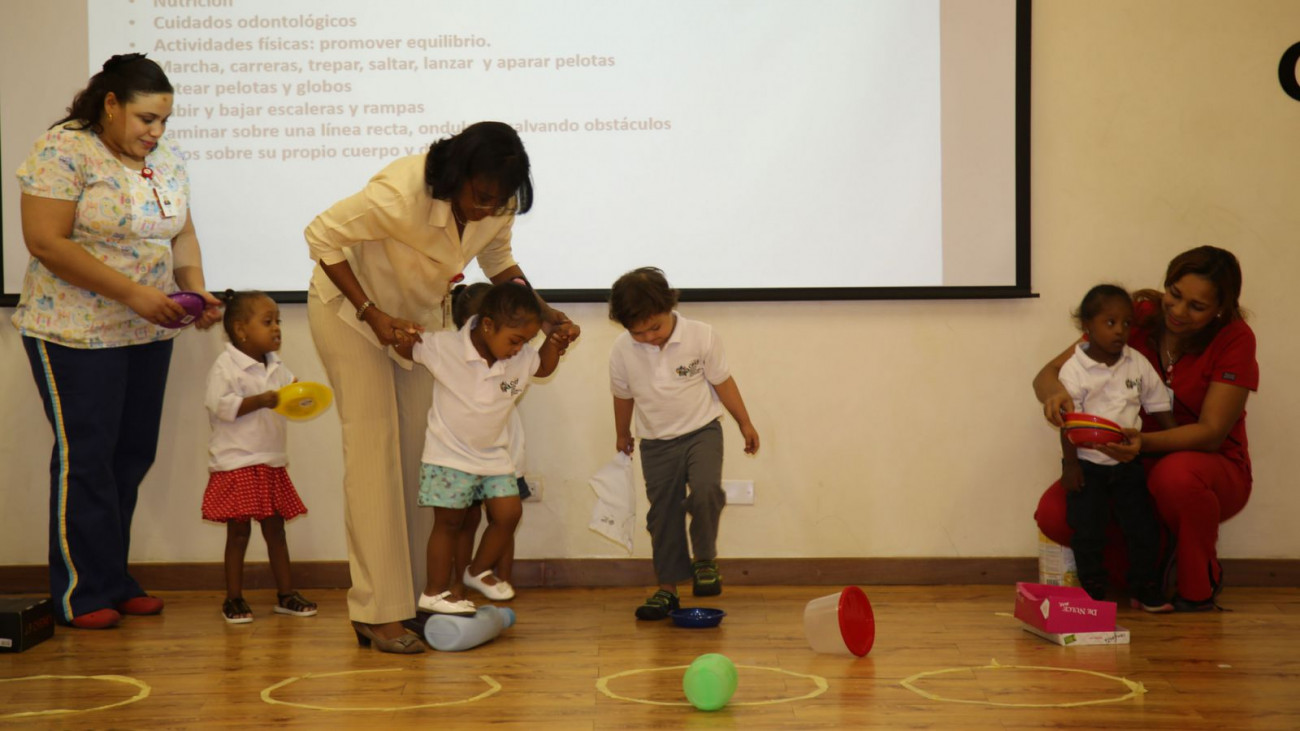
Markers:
{"x": 246, "y": 452}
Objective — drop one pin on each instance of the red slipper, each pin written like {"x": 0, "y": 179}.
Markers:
{"x": 98, "y": 619}
{"x": 141, "y": 605}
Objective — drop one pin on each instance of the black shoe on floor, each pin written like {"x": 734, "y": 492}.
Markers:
{"x": 708, "y": 582}
{"x": 1187, "y": 605}
{"x": 1216, "y": 586}
{"x": 416, "y": 623}
{"x": 658, "y": 606}
{"x": 1150, "y": 598}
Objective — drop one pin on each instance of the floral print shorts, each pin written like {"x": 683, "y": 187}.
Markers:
{"x": 444, "y": 487}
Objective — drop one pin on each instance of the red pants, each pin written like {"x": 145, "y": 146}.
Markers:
{"x": 1193, "y": 492}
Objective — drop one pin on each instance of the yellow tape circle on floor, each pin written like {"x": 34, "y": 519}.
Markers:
{"x": 602, "y": 685}
{"x": 492, "y": 687}
{"x": 141, "y": 693}
{"x": 1134, "y": 689}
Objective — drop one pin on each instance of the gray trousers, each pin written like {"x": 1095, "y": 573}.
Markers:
{"x": 669, "y": 466}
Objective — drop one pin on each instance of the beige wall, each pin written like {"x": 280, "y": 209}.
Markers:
{"x": 889, "y": 428}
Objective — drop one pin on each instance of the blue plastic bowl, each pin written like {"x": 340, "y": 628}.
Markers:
{"x": 697, "y": 617}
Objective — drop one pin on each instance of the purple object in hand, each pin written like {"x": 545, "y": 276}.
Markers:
{"x": 193, "y": 304}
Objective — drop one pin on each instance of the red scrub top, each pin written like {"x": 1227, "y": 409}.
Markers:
{"x": 1229, "y": 358}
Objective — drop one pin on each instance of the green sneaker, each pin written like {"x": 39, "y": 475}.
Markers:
{"x": 708, "y": 582}
{"x": 658, "y": 606}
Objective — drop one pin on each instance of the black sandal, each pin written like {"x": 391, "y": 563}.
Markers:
{"x": 295, "y": 604}
{"x": 237, "y": 611}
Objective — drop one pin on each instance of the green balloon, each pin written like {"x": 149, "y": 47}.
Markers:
{"x": 710, "y": 682}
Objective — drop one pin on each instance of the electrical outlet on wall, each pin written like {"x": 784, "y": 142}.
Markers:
{"x": 536, "y": 485}
{"x": 739, "y": 492}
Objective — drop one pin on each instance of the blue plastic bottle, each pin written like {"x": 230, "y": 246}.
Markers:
{"x": 452, "y": 634}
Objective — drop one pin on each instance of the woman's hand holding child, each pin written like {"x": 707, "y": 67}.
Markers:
{"x": 393, "y": 331}
{"x": 1125, "y": 451}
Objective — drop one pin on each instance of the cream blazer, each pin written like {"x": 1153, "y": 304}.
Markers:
{"x": 403, "y": 246}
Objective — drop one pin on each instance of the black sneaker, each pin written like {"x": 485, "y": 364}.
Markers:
{"x": 1187, "y": 605}
{"x": 1204, "y": 605}
{"x": 708, "y": 582}
{"x": 658, "y": 606}
{"x": 1149, "y": 598}
{"x": 416, "y": 623}
{"x": 1216, "y": 586}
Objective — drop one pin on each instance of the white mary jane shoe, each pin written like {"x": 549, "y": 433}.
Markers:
{"x": 443, "y": 604}
{"x": 500, "y": 591}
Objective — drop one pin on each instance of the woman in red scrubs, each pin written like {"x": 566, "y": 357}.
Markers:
{"x": 1198, "y": 473}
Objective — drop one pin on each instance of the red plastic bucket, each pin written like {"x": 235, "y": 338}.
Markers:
{"x": 840, "y": 623}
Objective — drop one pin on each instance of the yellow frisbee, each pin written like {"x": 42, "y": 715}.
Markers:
{"x": 304, "y": 400}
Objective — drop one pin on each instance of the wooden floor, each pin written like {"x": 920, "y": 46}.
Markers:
{"x": 1238, "y": 669}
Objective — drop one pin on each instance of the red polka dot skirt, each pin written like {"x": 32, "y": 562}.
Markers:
{"x": 255, "y": 492}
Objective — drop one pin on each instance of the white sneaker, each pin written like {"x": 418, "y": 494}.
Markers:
{"x": 500, "y": 591}
{"x": 443, "y": 604}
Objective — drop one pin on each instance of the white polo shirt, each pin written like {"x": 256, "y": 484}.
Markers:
{"x": 257, "y": 437}
{"x": 515, "y": 441}
{"x": 1115, "y": 392}
{"x": 472, "y": 402}
{"x": 671, "y": 385}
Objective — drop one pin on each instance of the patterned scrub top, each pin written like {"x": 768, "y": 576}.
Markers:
{"x": 118, "y": 222}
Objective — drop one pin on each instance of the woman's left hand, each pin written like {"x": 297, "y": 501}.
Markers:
{"x": 1125, "y": 451}
{"x": 211, "y": 311}
{"x": 556, "y": 322}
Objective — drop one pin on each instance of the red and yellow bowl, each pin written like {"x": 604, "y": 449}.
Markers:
{"x": 1084, "y": 429}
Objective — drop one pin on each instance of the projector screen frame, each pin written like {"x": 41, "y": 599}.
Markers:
{"x": 1022, "y": 288}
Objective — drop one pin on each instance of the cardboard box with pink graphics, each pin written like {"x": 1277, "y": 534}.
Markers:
{"x": 1062, "y": 609}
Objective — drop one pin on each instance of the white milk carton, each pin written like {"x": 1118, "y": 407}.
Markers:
{"x": 1056, "y": 563}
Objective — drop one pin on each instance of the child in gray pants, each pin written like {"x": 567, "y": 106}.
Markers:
{"x": 672, "y": 374}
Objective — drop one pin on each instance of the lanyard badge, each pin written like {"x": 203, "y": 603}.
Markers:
{"x": 166, "y": 205}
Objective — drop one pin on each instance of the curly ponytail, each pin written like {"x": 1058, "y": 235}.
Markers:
{"x": 239, "y": 307}
{"x": 465, "y": 301}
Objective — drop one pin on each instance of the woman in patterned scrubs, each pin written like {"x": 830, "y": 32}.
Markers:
{"x": 105, "y": 216}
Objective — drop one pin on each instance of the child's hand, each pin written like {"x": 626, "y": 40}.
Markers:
{"x": 211, "y": 311}
{"x": 751, "y": 438}
{"x": 570, "y": 331}
{"x": 624, "y": 444}
{"x": 1071, "y": 475}
{"x": 558, "y": 341}
{"x": 264, "y": 400}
